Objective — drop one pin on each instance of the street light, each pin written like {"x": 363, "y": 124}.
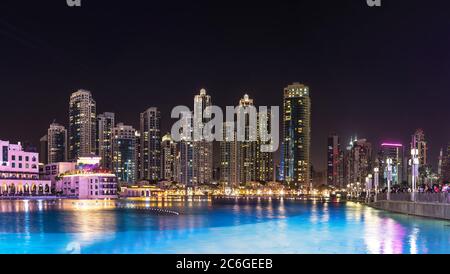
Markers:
{"x": 377, "y": 172}
{"x": 368, "y": 187}
{"x": 389, "y": 176}
{"x": 414, "y": 171}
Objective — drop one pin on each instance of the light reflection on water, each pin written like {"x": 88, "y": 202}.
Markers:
{"x": 226, "y": 226}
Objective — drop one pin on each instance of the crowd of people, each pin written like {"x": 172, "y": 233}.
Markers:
{"x": 436, "y": 188}
{"x": 423, "y": 188}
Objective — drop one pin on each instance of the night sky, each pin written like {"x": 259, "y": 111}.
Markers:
{"x": 379, "y": 73}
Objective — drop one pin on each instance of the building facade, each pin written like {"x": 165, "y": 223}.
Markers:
{"x": 168, "y": 158}
{"x": 151, "y": 144}
{"x": 124, "y": 158}
{"x": 52, "y": 172}
{"x": 334, "y": 161}
{"x": 105, "y": 124}
{"x": 82, "y": 124}
{"x": 203, "y": 149}
{"x": 56, "y": 143}
{"x": 395, "y": 152}
{"x": 19, "y": 172}
{"x": 43, "y": 150}
{"x": 88, "y": 181}
{"x": 360, "y": 161}
{"x": 296, "y": 135}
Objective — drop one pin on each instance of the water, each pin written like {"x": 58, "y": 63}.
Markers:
{"x": 246, "y": 226}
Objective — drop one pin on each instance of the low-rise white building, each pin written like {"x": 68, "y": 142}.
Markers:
{"x": 19, "y": 172}
{"x": 53, "y": 171}
{"x": 88, "y": 181}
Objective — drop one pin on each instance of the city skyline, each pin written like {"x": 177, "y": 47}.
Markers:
{"x": 355, "y": 85}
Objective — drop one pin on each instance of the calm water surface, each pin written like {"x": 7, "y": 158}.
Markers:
{"x": 245, "y": 226}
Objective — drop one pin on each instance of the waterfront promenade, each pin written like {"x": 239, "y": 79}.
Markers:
{"x": 432, "y": 205}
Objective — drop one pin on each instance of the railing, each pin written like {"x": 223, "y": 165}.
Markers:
{"x": 437, "y": 198}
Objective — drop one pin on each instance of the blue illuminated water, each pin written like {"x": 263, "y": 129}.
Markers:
{"x": 245, "y": 226}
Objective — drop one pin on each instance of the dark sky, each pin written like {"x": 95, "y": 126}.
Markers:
{"x": 379, "y": 73}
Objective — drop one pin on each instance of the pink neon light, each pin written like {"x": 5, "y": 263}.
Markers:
{"x": 391, "y": 145}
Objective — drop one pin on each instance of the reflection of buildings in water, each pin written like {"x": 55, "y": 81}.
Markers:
{"x": 413, "y": 240}
{"x": 384, "y": 235}
{"x": 326, "y": 214}
{"x": 92, "y": 226}
{"x": 314, "y": 213}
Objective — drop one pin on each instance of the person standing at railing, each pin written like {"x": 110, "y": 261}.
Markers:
{"x": 445, "y": 188}
{"x": 436, "y": 189}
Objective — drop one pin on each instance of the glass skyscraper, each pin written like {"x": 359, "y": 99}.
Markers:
{"x": 150, "y": 144}
{"x": 82, "y": 124}
{"x": 124, "y": 153}
{"x": 297, "y": 135}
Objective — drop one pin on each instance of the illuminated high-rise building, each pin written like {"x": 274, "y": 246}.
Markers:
{"x": 202, "y": 149}
{"x": 360, "y": 161}
{"x": 124, "y": 160}
{"x": 82, "y": 124}
{"x": 242, "y": 161}
{"x": 395, "y": 152}
{"x": 445, "y": 164}
{"x": 264, "y": 160}
{"x": 334, "y": 160}
{"x": 246, "y": 150}
{"x": 296, "y": 135}
{"x": 418, "y": 142}
{"x": 168, "y": 158}
{"x": 57, "y": 144}
{"x": 228, "y": 157}
{"x": 137, "y": 137}
{"x": 185, "y": 158}
{"x": 105, "y": 124}
{"x": 151, "y": 144}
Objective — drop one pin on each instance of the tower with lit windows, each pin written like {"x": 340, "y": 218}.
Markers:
{"x": 150, "y": 155}
{"x": 105, "y": 125}
{"x": 124, "y": 158}
{"x": 56, "y": 143}
{"x": 297, "y": 135}
{"x": 202, "y": 149}
{"x": 82, "y": 124}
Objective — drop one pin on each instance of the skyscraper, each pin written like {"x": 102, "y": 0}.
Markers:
{"x": 264, "y": 160}
{"x": 242, "y": 161}
{"x": 124, "y": 159}
{"x": 185, "y": 159}
{"x": 360, "y": 161}
{"x": 57, "y": 143}
{"x": 228, "y": 157}
{"x": 246, "y": 149}
{"x": 203, "y": 149}
{"x": 82, "y": 124}
{"x": 43, "y": 150}
{"x": 168, "y": 157}
{"x": 395, "y": 152}
{"x": 445, "y": 164}
{"x": 418, "y": 142}
{"x": 334, "y": 161}
{"x": 296, "y": 135}
{"x": 105, "y": 125}
{"x": 151, "y": 144}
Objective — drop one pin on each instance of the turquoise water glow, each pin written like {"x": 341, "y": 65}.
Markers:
{"x": 246, "y": 226}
